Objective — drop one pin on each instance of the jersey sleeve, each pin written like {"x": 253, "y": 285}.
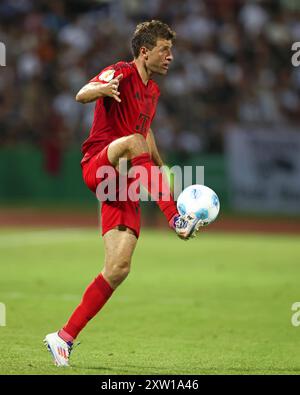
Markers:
{"x": 113, "y": 71}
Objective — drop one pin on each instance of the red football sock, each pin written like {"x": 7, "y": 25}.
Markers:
{"x": 160, "y": 190}
{"x": 94, "y": 298}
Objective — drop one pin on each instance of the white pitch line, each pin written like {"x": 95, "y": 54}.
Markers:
{"x": 44, "y": 237}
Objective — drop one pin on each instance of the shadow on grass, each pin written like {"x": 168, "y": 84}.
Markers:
{"x": 133, "y": 369}
{"x": 98, "y": 368}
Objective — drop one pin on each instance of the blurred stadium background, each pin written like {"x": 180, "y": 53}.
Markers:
{"x": 231, "y": 103}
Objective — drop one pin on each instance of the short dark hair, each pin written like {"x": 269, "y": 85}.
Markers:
{"x": 147, "y": 33}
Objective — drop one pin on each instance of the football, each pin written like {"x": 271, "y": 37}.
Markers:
{"x": 201, "y": 201}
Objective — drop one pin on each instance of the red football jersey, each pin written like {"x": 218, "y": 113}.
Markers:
{"x": 133, "y": 115}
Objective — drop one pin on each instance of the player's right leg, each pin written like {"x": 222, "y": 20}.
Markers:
{"x": 119, "y": 248}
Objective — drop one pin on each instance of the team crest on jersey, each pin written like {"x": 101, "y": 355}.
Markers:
{"x": 107, "y": 75}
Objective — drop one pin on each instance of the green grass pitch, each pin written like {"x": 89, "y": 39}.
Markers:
{"x": 218, "y": 304}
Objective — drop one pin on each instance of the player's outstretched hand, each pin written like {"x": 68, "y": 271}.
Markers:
{"x": 111, "y": 88}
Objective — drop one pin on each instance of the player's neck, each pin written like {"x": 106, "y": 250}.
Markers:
{"x": 144, "y": 73}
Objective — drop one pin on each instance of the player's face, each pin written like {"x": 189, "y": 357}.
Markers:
{"x": 159, "y": 58}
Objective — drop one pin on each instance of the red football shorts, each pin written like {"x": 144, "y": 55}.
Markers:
{"x": 113, "y": 213}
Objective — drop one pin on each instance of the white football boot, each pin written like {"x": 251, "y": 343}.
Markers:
{"x": 187, "y": 225}
{"x": 59, "y": 349}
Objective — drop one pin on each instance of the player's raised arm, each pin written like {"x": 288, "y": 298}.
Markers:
{"x": 95, "y": 90}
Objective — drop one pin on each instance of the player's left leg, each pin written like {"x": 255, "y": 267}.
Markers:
{"x": 135, "y": 149}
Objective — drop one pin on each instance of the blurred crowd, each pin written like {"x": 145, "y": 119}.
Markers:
{"x": 232, "y": 65}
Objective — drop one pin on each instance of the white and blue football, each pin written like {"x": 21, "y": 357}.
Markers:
{"x": 200, "y": 201}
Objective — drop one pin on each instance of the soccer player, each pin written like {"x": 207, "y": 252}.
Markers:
{"x": 126, "y": 99}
